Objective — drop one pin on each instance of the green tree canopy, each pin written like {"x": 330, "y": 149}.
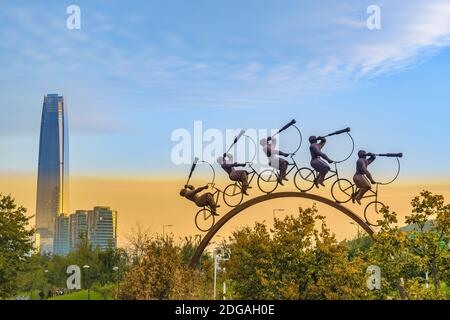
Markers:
{"x": 298, "y": 259}
{"x": 15, "y": 244}
{"x": 159, "y": 271}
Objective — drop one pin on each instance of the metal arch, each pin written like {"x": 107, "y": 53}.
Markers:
{"x": 208, "y": 237}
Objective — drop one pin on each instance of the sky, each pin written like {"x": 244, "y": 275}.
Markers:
{"x": 138, "y": 70}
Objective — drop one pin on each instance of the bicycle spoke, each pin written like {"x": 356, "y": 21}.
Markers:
{"x": 304, "y": 179}
{"x": 342, "y": 190}
{"x": 372, "y": 213}
{"x": 204, "y": 220}
{"x": 267, "y": 181}
{"x": 308, "y": 176}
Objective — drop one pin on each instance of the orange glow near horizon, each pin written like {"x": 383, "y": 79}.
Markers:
{"x": 153, "y": 203}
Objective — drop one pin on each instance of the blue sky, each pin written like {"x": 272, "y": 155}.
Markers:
{"x": 138, "y": 70}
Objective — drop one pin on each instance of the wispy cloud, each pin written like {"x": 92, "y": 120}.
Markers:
{"x": 277, "y": 59}
{"x": 411, "y": 33}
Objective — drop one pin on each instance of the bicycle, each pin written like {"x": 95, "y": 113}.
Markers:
{"x": 204, "y": 218}
{"x": 232, "y": 194}
{"x": 269, "y": 179}
{"x": 372, "y": 210}
{"x": 307, "y": 176}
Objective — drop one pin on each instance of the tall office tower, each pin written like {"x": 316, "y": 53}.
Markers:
{"x": 78, "y": 225}
{"x": 102, "y": 223}
{"x": 61, "y": 243}
{"x": 52, "y": 185}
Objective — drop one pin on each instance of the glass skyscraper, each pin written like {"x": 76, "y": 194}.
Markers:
{"x": 103, "y": 228}
{"x": 61, "y": 242}
{"x": 78, "y": 228}
{"x": 52, "y": 185}
{"x": 97, "y": 227}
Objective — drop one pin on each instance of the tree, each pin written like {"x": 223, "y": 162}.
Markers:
{"x": 157, "y": 272}
{"x": 390, "y": 253}
{"x": 33, "y": 278}
{"x": 298, "y": 259}
{"x": 432, "y": 245}
{"x": 249, "y": 263}
{"x": 404, "y": 258}
{"x": 15, "y": 244}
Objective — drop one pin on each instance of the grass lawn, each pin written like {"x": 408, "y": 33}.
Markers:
{"x": 79, "y": 295}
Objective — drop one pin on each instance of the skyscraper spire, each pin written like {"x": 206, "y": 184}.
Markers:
{"x": 53, "y": 169}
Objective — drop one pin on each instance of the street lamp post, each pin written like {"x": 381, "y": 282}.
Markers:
{"x": 275, "y": 211}
{"x": 217, "y": 258}
{"x": 216, "y": 265}
{"x": 224, "y": 287}
{"x": 86, "y": 267}
{"x": 116, "y": 269}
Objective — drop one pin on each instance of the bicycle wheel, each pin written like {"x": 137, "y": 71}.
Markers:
{"x": 204, "y": 220}
{"x": 268, "y": 181}
{"x": 372, "y": 213}
{"x": 304, "y": 179}
{"x": 342, "y": 190}
{"x": 232, "y": 195}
